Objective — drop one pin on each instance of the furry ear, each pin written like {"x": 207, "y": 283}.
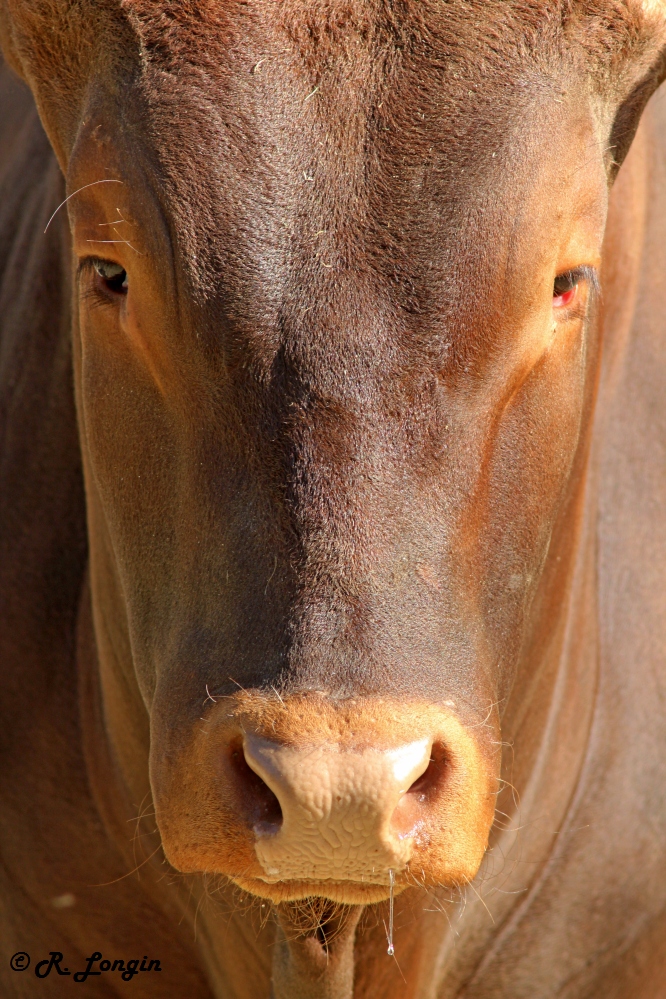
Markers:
{"x": 620, "y": 46}
{"x": 648, "y": 71}
{"x": 55, "y": 45}
{"x": 625, "y": 42}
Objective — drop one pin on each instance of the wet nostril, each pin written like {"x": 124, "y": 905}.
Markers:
{"x": 421, "y": 795}
{"x": 261, "y": 806}
{"x": 428, "y": 784}
{"x": 422, "y": 785}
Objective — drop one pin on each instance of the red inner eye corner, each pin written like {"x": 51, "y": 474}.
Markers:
{"x": 565, "y": 299}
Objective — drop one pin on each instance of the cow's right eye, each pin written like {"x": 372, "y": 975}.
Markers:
{"x": 113, "y": 275}
{"x": 564, "y": 289}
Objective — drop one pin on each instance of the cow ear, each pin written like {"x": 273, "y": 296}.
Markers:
{"x": 635, "y": 75}
{"x": 56, "y": 46}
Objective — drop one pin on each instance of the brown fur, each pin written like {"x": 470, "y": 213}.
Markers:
{"x": 334, "y": 458}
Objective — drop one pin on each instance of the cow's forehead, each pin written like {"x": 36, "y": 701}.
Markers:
{"x": 295, "y": 81}
{"x": 293, "y": 136}
{"x": 352, "y": 162}
{"x": 472, "y": 35}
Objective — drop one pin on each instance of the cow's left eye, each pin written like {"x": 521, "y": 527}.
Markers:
{"x": 564, "y": 289}
{"x": 113, "y": 275}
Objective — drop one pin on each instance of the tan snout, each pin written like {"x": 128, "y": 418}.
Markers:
{"x": 304, "y": 795}
{"x": 338, "y": 809}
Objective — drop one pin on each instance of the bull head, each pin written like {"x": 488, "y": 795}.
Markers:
{"x": 336, "y": 352}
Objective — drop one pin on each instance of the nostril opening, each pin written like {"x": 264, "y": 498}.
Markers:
{"x": 261, "y": 805}
{"x": 427, "y": 786}
{"x": 415, "y": 803}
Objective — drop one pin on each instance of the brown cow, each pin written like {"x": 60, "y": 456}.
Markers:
{"x": 364, "y": 605}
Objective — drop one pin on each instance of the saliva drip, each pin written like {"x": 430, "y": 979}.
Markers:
{"x": 390, "y": 950}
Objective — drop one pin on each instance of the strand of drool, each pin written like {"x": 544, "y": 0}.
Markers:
{"x": 390, "y": 950}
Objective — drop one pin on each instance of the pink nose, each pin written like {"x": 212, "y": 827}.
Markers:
{"x": 345, "y": 814}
